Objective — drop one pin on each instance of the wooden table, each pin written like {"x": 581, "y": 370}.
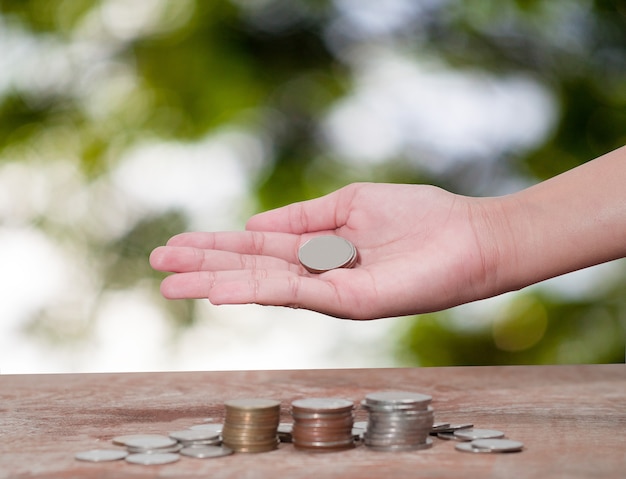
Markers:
{"x": 572, "y": 420}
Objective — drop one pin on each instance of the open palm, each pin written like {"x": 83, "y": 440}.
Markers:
{"x": 418, "y": 251}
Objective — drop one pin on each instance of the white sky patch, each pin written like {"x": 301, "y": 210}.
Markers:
{"x": 252, "y": 337}
{"x": 33, "y": 274}
{"x": 37, "y": 65}
{"x": 400, "y": 107}
{"x": 128, "y": 19}
{"x": 373, "y": 17}
{"x": 208, "y": 180}
{"x": 132, "y": 334}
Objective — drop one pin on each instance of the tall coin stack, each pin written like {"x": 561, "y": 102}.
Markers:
{"x": 250, "y": 425}
{"x": 398, "y": 421}
{"x": 322, "y": 424}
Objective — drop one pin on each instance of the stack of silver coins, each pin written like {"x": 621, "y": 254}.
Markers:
{"x": 149, "y": 449}
{"x": 196, "y": 437}
{"x": 496, "y": 445}
{"x": 398, "y": 421}
{"x": 251, "y": 425}
{"x": 322, "y": 424}
{"x": 200, "y": 443}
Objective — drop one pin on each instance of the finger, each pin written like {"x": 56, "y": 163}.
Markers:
{"x": 277, "y": 288}
{"x": 183, "y": 259}
{"x": 326, "y": 213}
{"x": 289, "y": 290}
{"x": 278, "y": 245}
{"x": 338, "y": 293}
{"x": 199, "y": 284}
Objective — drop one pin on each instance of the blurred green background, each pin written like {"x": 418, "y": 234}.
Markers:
{"x": 123, "y": 122}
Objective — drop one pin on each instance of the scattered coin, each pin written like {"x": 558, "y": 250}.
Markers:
{"x": 358, "y": 430}
{"x": 215, "y": 427}
{"x": 450, "y": 436}
{"x": 206, "y": 452}
{"x": 448, "y": 428}
{"x": 471, "y": 434}
{"x": 101, "y": 455}
{"x": 150, "y": 442}
{"x": 195, "y": 436}
{"x": 467, "y": 447}
{"x": 490, "y": 446}
{"x": 284, "y": 431}
{"x": 152, "y": 459}
{"x": 440, "y": 427}
{"x": 323, "y": 253}
{"x": 498, "y": 445}
{"x": 159, "y": 450}
{"x": 121, "y": 440}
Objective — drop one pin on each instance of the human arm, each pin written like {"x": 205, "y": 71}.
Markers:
{"x": 569, "y": 222}
{"x": 421, "y": 249}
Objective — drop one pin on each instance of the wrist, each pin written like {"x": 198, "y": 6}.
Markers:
{"x": 497, "y": 224}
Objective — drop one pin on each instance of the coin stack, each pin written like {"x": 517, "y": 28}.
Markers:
{"x": 322, "y": 424}
{"x": 323, "y": 253}
{"x": 196, "y": 437}
{"x": 398, "y": 421}
{"x": 251, "y": 425}
{"x": 149, "y": 449}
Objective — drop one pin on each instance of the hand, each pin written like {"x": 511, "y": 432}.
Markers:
{"x": 420, "y": 249}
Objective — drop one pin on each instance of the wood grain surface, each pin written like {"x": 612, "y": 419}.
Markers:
{"x": 572, "y": 420}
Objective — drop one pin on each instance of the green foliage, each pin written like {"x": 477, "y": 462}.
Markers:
{"x": 534, "y": 329}
{"x": 54, "y": 16}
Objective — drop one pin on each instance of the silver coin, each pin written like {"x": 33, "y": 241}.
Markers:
{"x": 152, "y": 459}
{"x": 121, "y": 440}
{"x": 322, "y": 404}
{"x": 323, "y": 253}
{"x": 150, "y": 441}
{"x": 206, "y": 452}
{"x": 389, "y": 408}
{"x": 394, "y": 441}
{"x": 400, "y": 448}
{"x": 467, "y": 447}
{"x": 471, "y": 434}
{"x": 161, "y": 450}
{"x": 450, "y": 428}
{"x": 440, "y": 427}
{"x": 450, "y": 436}
{"x": 211, "y": 442}
{"x": 498, "y": 445}
{"x": 193, "y": 435}
{"x": 400, "y": 422}
{"x": 217, "y": 428}
{"x": 285, "y": 428}
{"x": 397, "y": 397}
{"x": 284, "y": 431}
{"x": 413, "y": 436}
{"x": 101, "y": 455}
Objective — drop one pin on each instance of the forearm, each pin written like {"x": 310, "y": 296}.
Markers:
{"x": 572, "y": 221}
